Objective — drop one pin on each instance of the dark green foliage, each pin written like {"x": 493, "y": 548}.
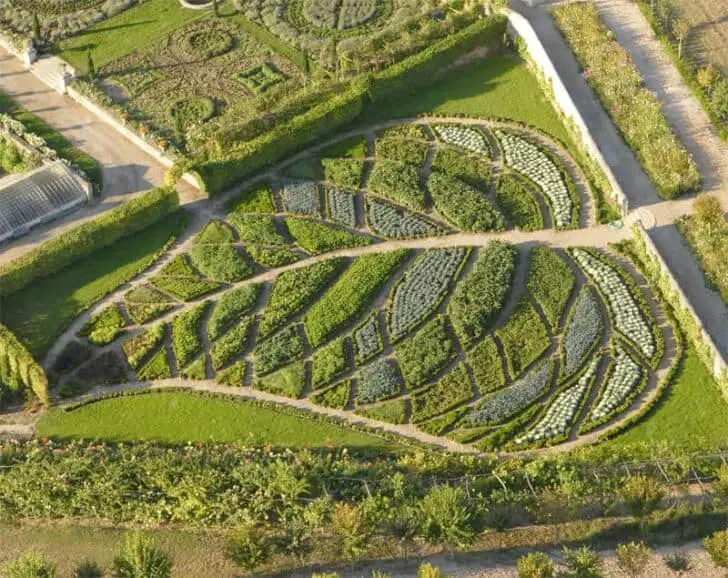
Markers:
{"x": 73, "y": 355}
{"x": 187, "y": 334}
{"x": 232, "y": 344}
{"x": 397, "y": 182}
{"x": 336, "y": 396}
{"x": 328, "y": 363}
{"x": 485, "y": 362}
{"x": 231, "y": 307}
{"x": 379, "y": 380}
{"x": 462, "y": 205}
{"x": 480, "y": 295}
{"x": 87, "y": 238}
{"x": 215, "y": 232}
{"x": 349, "y": 297}
{"x": 550, "y": 281}
{"x": 255, "y": 200}
{"x": 257, "y": 229}
{"x": 221, "y": 262}
{"x": 518, "y": 204}
{"x": 107, "y": 369}
{"x": 353, "y": 147}
{"x": 316, "y": 237}
{"x": 394, "y": 411}
{"x": 156, "y": 368}
{"x": 288, "y": 382}
{"x": 105, "y": 327}
{"x": 468, "y": 169}
{"x": 403, "y": 151}
{"x": 524, "y": 338}
{"x": 284, "y": 346}
{"x": 305, "y": 169}
{"x": 293, "y": 290}
{"x": 452, "y": 390}
{"x": 272, "y": 257}
{"x": 179, "y": 266}
{"x": 346, "y": 173}
{"x": 425, "y": 353}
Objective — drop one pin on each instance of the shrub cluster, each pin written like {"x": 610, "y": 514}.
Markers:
{"x": 18, "y": 370}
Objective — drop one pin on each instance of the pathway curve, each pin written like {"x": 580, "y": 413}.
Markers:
{"x": 126, "y": 168}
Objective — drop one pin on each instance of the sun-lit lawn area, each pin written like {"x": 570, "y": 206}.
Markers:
{"x": 39, "y": 313}
{"x": 178, "y": 417}
{"x": 495, "y": 87}
{"x": 135, "y": 30}
{"x": 692, "y": 416}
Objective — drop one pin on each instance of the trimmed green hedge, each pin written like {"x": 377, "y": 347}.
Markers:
{"x": 87, "y": 238}
{"x": 18, "y": 370}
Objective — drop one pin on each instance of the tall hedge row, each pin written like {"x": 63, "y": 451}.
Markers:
{"x": 403, "y": 78}
{"x": 18, "y": 370}
{"x": 60, "y": 252}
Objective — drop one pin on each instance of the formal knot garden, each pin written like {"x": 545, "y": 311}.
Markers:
{"x": 374, "y": 278}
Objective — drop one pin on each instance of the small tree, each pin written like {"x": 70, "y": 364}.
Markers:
{"x": 717, "y": 547}
{"x": 30, "y": 565}
{"x": 583, "y": 563}
{"x": 90, "y": 66}
{"x": 37, "y": 33}
{"x": 681, "y": 29}
{"x": 706, "y": 76}
{"x": 678, "y": 562}
{"x": 87, "y": 569}
{"x": 447, "y": 518}
{"x": 248, "y": 547}
{"x": 535, "y": 565}
{"x": 138, "y": 557}
{"x": 642, "y": 495}
{"x": 633, "y": 557}
{"x": 351, "y": 531}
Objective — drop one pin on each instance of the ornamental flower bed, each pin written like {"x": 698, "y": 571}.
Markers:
{"x": 504, "y": 404}
{"x": 560, "y": 415}
{"x": 342, "y": 208}
{"x": 627, "y": 315}
{"x": 466, "y": 137}
{"x": 379, "y": 380}
{"x": 388, "y": 221}
{"x": 582, "y": 330}
{"x": 623, "y": 378}
{"x": 423, "y": 288}
{"x": 526, "y": 158}
{"x": 301, "y": 197}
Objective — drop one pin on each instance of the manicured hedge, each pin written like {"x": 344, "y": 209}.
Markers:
{"x": 82, "y": 241}
{"x": 18, "y": 370}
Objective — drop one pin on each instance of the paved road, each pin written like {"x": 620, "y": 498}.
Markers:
{"x": 684, "y": 266}
{"x": 126, "y": 168}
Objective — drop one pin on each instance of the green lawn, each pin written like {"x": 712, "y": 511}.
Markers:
{"x": 54, "y": 139}
{"x": 39, "y": 313}
{"x": 692, "y": 416}
{"x": 178, "y": 417}
{"x": 495, "y": 87}
{"x": 138, "y": 29}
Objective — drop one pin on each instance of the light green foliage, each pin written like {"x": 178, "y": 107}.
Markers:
{"x": 197, "y": 370}
{"x": 641, "y": 495}
{"x": 178, "y": 267}
{"x": 255, "y": 200}
{"x": 105, "y": 327}
{"x": 144, "y": 303}
{"x": 316, "y": 237}
{"x": 350, "y": 295}
{"x": 30, "y": 565}
{"x": 524, "y": 338}
{"x": 293, "y": 290}
{"x": 336, "y": 397}
{"x": 468, "y": 169}
{"x": 352, "y": 147}
{"x": 185, "y": 288}
{"x": 248, "y": 547}
{"x": 425, "y": 353}
{"x": 403, "y": 151}
{"x": 284, "y": 346}
{"x": 550, "y": 281}
{"x": 289, "y": 381}
{"x": 717, "y": 547}
{"x": 230, "y": 345}
{"x": 186, "y": 334}
{"x": 221, "y": 262}
{"x": 519, "y": 205}
{"x": 633, "y": 557}
{"x": 480, "y": 295}
{"x": 394, "y": 411}
{"x": 452, "y": 390}
{"x": 233, "y": 376}
{"x": 438, "y": 426}
{"x": 233, "y": 305}
{"x": 272, "y": 257}
{"x": 583, "y": 562}
{"x": 463, "y": 206}
{"x": 156, "y": 368}
{"x": 328, "y": 362}
{"x": 346, "y": 173}
{"x": 257, "y": 229}
{"x": 485, "y": 362}
{"x": 535, "y": 565}
{"x": 139, "y": 557}
{"x": 215, "y": 232}
{"x": 397, "y": 182}
{"x": 448, "y": 517}
{"x": 138, "y": 347}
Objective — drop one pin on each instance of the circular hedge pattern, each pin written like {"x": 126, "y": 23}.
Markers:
{"x": 195, "y": 109}
{"x": 208, "y": 43}
{"x": 339, "y": 14}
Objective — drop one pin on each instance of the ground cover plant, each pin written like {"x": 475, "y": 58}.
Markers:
{"x": 463, "y": 206}
{"x": 231, "y": 345}
{"x": 346, "y": 173}
{"x": 328, "y": 362}
{"x": 258, "y": 199}
{"x": 290, "y": 381}
{"x": 221, "y": 262}
{"x": 403, "y": 151}
{"x": 635, "y": 111}
{"x": 518, "y": 203}
{"x": 232, "y": 306}
{"x": 452, "y": 390}
{"x": 316, "y": 238}
{"x": 215, "y": 232}
{"x": 272, "y": 257}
